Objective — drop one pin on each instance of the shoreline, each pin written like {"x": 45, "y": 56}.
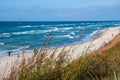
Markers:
{"x": 106, "y": 35}
{"x": 52, "y": 47}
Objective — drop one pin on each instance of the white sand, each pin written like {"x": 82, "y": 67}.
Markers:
{"x": 75, "y": 51}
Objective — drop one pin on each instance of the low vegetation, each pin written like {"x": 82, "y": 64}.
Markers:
{"x": 103, "y": 64}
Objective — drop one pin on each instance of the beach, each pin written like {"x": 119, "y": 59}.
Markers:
{"x": 75, "y": 51}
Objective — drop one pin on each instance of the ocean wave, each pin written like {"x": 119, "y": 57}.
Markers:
{"x": 54, "y": 29}
{"x": 72, "y": 33}
{"x": 90, "y": 36}
{"x": 47, "y": 25}
{"x": 5, "y": 35}
{"x": 63, "y": 36}
{"x": 94, "y": 32}
{"x": 26, "y": 46}
{"x": 24, "y": 32}
{"x": 81, "y": 27}
{"x": 34, "y": 31}
{"x": 13, "y": 51}
{"x": 20, "y": 48}
{"x": 65, "y": 29}
{"x": 2, "y": 43}
{"x": 61, "y": 25}
{"x": 4, "y": 52}
{"x": 29, "y": 26}
{"x": 26, "y": 26}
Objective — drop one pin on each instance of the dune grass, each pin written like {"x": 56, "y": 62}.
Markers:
{"x": 103, "y": 64}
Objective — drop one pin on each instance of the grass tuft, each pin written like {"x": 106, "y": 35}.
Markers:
{"x": 103, "y": 64}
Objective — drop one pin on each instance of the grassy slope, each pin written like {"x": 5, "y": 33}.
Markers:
{"x": 103, "y": 64}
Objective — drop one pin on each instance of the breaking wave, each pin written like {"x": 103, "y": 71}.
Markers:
{"x": 93, "y": 33}
{"x": 64, "y": 36}
{"x": 72, "y": 33}
{"x": 65, "y": 29}
{"x": 2, "y": 43}
{"x": 34, "y": 32}
{"x": 90, "y": 36}
{"x": 5, "y": 35}
{"x": 27, "y": 26}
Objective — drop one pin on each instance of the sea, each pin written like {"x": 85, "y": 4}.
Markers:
{"x": 18, "y": 35}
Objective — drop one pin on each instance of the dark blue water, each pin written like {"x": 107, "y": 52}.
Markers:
{"x": 16, "y": 35}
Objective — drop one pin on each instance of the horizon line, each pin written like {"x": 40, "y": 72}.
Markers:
{"x": 55, "y": 21}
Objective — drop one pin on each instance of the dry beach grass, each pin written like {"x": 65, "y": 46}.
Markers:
{"x": 102, "y": 64}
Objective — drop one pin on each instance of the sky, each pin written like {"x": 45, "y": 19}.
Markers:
{"x": 59, "y": 10}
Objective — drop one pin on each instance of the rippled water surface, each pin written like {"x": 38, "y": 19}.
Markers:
{"x": 15, "y": 35}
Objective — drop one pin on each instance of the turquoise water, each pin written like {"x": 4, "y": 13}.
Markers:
{"x": 15, "y": 35}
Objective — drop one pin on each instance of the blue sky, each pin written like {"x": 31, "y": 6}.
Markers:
{"x": 59, "y": 10}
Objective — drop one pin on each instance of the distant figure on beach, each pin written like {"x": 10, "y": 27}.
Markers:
{"x": 35, "y": 51}
{"x": 23, "y": 53}
{"x": 112, "y": 35}
{"x": 18, "y": 55}
{"x": 9, "y": 53}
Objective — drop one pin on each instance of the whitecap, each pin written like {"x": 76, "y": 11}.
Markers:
{"x": 26, "y": 26}
{"x": 81, "y": 27}
{"x": 66, "y": 25}
{"x": 93, "y": 33}
{"x": 66, "y": 29}
{"x": 13, "y": 51}
{"x": 63, "y": 36}
{"x": 55, "y": 29}
{"x": 5, "y": 35}
{"x": 92, "y": 25}
{"x": 46, "y": 25}
{"x": 78, "y": 27}
{"x": 26, "y": 47}
{"x": 42, "y": 25}
{"x": 34, "y": 31}
{"x": 90, "y": 36}
{"x": 72, "y": 33}
{"x": 2, "y": 43}
{"x": 29, "y": 32}
{"x": 20, "y": 48}
{"x": 24, "y": 32}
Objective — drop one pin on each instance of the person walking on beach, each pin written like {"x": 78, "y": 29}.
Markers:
{"x": 9, "y": 53}
{"x": 35, "y": 51}
{"x": 112, "y": 35}
{"x": 18, "y": 55}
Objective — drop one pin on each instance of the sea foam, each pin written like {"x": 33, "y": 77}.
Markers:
{"x": 5, "y": 35}
{"x": 26, "y": 26}
{"x": 64, "y": 36}
{"x": 93, "y": 33}
{"x": 34, "y": 31}
{"x": 2, "y": 43}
